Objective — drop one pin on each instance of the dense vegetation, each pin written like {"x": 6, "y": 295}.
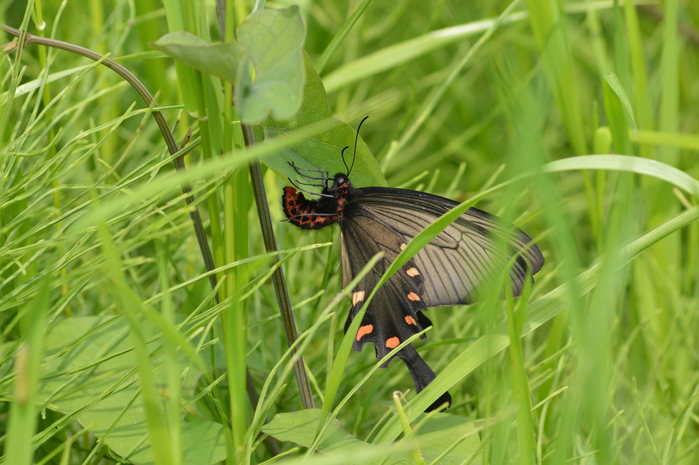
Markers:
{"x": 577, "y": 121}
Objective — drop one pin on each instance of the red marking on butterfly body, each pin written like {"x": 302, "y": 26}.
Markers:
{"x": 315, "y": 214}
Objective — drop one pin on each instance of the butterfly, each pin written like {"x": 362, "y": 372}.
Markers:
{"x": 466, "y": 256}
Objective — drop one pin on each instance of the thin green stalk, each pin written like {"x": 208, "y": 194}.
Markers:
{"x": 235, "y": 335}
{"x": 130, "y": 304}
{"x": 173, "y": 407}
{"x": 23, "y": 415}
{"x": 340, "y": 36}
{"x": 415, "y": 457}
{"x": 16, "y": 66}
{"x": 46, "y": 98}
{"x": 520, "y": 383}
{"x": 548, "y": 25}
{"x": 442, "y": 90}
{"x": 644, "y": 116}
{"x": 235, "y": 211}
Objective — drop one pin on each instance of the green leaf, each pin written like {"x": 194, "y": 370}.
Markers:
{"x": 617, "y": 120}
{"x": 395, "y": 55}
{"x": 222, "y": 60}
{"x": 266, "y": 64}
{"x": 300, "y": 428}
{"x": 434, "y": 438}
{"x": 322, "y": 152}
{"x": 89, "y": 378}
{"x": 273, "y": 41}
{"x": 615, "y": 85}
{"x": 443, "y": 432}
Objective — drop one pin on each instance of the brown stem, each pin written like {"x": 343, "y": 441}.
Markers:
{"x": 278, "y": 279}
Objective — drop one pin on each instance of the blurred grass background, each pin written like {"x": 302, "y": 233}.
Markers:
{"x": 613, "y": 378}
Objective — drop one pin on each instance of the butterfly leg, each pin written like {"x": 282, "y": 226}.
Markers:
{"x": 325, "y": 177}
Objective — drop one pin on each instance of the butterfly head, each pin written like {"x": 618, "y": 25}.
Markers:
{"x": 339, "y": 182}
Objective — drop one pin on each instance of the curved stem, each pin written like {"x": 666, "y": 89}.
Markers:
{"x": 172, "y": 146}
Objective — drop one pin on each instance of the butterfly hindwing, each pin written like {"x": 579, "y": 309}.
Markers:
{"x": 396, "y": 311}
{"x": 393, "y": 314}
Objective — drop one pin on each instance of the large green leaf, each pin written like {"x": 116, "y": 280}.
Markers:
{"x": 85, "y": 377}
{"x": 265, "y": 63}
{"x": 322, "y": 152}
{"x": 434, "y": 438}
{"x": 273, "y": 41}
{"x": 222, "y": 60}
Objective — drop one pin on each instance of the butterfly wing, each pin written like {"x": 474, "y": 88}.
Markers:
{"x": 450, "y": 270}
{"x": 395, "y": 312}
{"x": 465, "y": 257}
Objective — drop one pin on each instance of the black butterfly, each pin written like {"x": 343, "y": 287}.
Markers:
{"x": 464, "y": 257}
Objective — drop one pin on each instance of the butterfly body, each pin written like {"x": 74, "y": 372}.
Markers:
{"x": 465, "y": 257}
{"x": 315, "y": 214}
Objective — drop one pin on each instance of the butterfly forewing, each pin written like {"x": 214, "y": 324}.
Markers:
{"x": 465, "y": 257}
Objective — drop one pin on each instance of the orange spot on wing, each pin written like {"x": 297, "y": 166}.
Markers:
{"x": 410, "y": 320}
{"x": 392, "y": 342}
{"x": 412, "y": 272}
{"x": 364, "y": 330}
{"x": 414, "y": 297}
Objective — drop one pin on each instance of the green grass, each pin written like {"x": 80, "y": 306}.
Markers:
{"x": 577, "y": 122}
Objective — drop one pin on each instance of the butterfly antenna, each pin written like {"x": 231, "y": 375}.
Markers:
{"x": 356, "y": 138}
{"x": 343, "y": 160}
